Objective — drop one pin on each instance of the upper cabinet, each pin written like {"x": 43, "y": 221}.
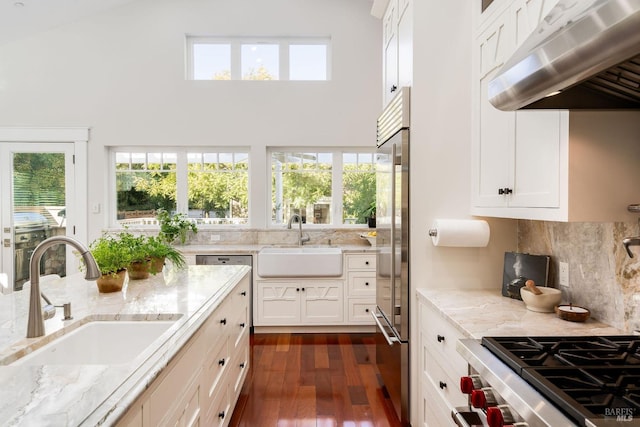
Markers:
{"x": 535, "y": 164}
{"x": 397, "y": 34}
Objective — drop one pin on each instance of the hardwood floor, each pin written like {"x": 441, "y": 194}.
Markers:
{"x": 319, "y": 380}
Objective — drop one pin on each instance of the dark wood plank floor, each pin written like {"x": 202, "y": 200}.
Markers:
{"x": 313, "y": 380}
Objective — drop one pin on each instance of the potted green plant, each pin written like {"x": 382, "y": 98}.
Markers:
{"x": 174, "y": 227}
{"x": 159, "y": 251}
{"x": 140, "y": 264}
{"x": 112, "y": 257}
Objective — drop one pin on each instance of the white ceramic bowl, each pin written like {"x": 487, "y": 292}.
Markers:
{"x": 544, "y": 303}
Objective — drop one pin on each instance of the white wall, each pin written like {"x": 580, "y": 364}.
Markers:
{"x": 440, "y": 148}
{"x": 122, "y": 74}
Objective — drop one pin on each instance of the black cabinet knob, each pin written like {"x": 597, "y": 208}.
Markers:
{"x": 440, "y": 338}
{"x": 242, "y": 365}
{"x": 394, "y": 88}
{"x": 221, "y": 415}
{"x": 242, "y": 325}
{"x": 243, "y": 293}
{"x": 442, "y": 385}
{"x": 223, "y": 322}
{"x": 221, "y": 362}
{"x": 302, "y": 289}
{"x": 366, "y": 263}
{"x": 366, "y": 310}
{"x": 505, "y": 190}
{"x": 297, "y": 289}
{"x": 366, "y": 283}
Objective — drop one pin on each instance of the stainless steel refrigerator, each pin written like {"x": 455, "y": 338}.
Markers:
{"x": 392, "y": 247}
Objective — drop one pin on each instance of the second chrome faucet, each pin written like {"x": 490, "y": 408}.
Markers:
{"x": 301, "y": 239}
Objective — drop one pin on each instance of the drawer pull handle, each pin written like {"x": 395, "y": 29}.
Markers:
{"x": 440, "y": 338}
{"x": 442, "y": 385}
{"x": 221, "y": 362}
{"x": 243, "y": 293}
{"x": 223, "y": 322}
{"x": 221, "y": 415}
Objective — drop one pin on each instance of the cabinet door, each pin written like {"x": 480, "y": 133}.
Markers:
{"x": 278, "y": 303}
{"x": 538, "y": 139}
{"x": 527, "y": 14}
{"x": 322, "y": 302}
{"x": 494, "y": 128}
{"x": 390, "y": 51}
{"x": 405, "y": 43}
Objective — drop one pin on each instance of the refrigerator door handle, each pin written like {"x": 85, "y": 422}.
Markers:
{"x": 390, "y": 340}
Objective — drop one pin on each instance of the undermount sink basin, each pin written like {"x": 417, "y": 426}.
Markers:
{"x": 300, "y": 262}
{"x": 99, "y": 342}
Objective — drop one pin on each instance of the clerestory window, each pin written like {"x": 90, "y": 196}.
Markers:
{"x": 258, "y": 58}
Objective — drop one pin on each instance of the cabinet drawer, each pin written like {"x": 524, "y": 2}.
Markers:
{"x": 361, "y": 262}
{"x": 239, "y": 326}
{"x": 362, "y": 283}
{"x": 434, "y": 408}
{"x": 444, "y": 380}
{"x": 219, "y": 413}
{"x": 360, "y": 310}
{"x": 440, "y": 339}
{"x": 215, "y": 368}
{"x": 240, "y": 366}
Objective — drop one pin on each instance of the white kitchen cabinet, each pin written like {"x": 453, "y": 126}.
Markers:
{"x": 397, "y": 37}
{"x": 534, "y": 164}
{"x": 201, "y": 384}
{"x": 361, "y": 288}
{"x": 439, "y": 368}
{"x": 297, "y": 302}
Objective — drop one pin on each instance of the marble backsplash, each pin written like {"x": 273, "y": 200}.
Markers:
{"x": 602, "y": 277}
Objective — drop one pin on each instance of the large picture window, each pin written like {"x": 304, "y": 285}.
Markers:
{"x": 258, "y": 58}
{"x": 323, "y": 187}
{"x": 215, "y": 191}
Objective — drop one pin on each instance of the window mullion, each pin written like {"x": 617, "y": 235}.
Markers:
{"x": 182, "y": 175}
{"x": 336, "y": 188}
{"x": 236, "y": 60}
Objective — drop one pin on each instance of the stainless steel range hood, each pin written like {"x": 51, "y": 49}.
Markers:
{"x": 587, "y": 50}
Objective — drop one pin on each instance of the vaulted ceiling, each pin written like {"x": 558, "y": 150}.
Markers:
{"x": 21, "y": 18}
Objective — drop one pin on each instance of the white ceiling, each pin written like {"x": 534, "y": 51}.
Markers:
{"x": 39, "y": 15}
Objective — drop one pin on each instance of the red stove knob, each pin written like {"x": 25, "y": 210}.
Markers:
{"x": 478, "y": 399}
{"x": 483, "y": 398}
{"x": 495, "y": 417}
{"x": 470, "y": 383}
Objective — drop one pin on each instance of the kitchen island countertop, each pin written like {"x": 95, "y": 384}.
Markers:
{"x": 89, "y": 395}
{"x": 478, "y": 313}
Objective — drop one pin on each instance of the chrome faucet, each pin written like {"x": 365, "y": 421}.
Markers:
{"x": 35, "y": 325}
{"x": 630, "y": 241}
{"x": 301, "y": 239}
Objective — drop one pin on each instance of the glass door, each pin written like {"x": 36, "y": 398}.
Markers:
{"x": 36, "y": 183}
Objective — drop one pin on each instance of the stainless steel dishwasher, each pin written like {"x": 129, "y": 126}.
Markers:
{"x": 232, "y": 260}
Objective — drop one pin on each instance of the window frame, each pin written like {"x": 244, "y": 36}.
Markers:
{"x": 182, "y": 173}
{"x": 337, "y": 186}
{"x": 236, "y": 43}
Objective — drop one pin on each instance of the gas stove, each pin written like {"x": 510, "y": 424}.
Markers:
{"x": 554, "y": 381}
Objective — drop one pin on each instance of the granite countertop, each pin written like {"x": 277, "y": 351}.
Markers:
{"x": 88, "y": 395}
{"x": 214, "y": 249}
{"x": 481, "y": 313}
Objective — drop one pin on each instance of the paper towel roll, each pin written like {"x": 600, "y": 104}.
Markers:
{"x": 462, "y": 233}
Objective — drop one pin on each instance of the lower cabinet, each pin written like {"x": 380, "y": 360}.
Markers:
{"x": 440, "y": 368}
{"x": 299, "y": 302}
{"x": 341, "y": 301}
{"x": 202, "y": 383}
